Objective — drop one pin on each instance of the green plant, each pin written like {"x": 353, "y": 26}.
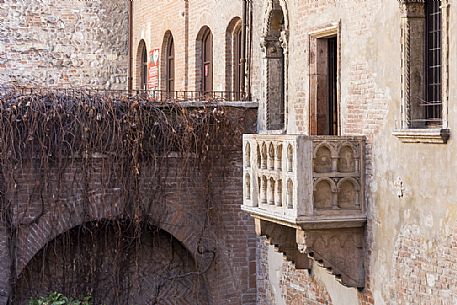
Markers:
{"x": 55, "y": 298}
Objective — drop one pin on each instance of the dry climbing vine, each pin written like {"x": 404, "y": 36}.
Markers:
{"x": 52, "y": 133}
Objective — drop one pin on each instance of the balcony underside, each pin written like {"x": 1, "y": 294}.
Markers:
{"x": 339, "y": 250}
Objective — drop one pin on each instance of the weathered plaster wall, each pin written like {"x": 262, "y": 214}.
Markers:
{"x": 64, "y": 43}
{"x": 411, "y": 194}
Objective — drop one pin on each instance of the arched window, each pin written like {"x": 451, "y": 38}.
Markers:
{"x": 144, "y": 69}
{"x": 170, "y": 70}
{"x": 142, "y": 66}
{"x": 234, "y": 67}
{"x": 205, "y": 61}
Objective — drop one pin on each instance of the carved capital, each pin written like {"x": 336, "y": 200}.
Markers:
{"x": 271, "y": 46}
{"x": 412, "y": 8}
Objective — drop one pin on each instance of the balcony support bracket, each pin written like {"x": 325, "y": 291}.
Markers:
{"x": 340, "y": 251}
{"x": 283, "y": 238}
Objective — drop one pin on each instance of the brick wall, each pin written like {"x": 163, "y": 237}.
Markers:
{"x": 296, "y": 286}
{"x": 115, "y": 264}
{"x": 180, "y": 207}
{"x": 363, "y": 105}
{"x": 184, "y": 20}
{"x": 64, "y": 43}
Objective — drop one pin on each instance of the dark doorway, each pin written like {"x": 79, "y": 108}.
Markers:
{"x": 324, "y": 104}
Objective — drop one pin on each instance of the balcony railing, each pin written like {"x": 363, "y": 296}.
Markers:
{"x": 152, "y": 95}
{"x": 315, "y": 182}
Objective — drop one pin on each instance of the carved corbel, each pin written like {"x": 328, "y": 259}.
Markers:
{"x": 283, "y": 238}
{"x": 340, "y": 251}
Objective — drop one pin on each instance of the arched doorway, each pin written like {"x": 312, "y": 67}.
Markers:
{"x": 116, "y": 263}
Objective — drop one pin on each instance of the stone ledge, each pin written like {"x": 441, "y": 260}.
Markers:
{"x": 428, "y": 136}
{"x": 307, "y": 222}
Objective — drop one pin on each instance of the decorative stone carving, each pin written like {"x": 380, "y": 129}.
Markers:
{"x": 346, "y": 160}
{"x": 319, "y": 177}
{"x": 290, "y": 158}
{"x": 323, "y": 160}
{"x": 274, "y": 46}
{"x": 247, "y": 155}
{"x": 284, "y": 240}
{"x": 324, "y": 194}
{"x": 340, "y": 251}
{"x": 309, "y": 196}
{"x": 278, "y": 157}
{"x": 348, "y": 194}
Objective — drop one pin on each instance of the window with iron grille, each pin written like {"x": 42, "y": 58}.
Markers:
{"x": 424, "y": 67}
{"x": 433, "y": 102}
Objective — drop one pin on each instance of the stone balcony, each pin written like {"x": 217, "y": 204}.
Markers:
{"x": 307, "y": 194}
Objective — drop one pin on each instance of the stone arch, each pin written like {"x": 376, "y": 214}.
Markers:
{"x": 264, "y": 156}
{"x": 323, "y": 155}
{"x": 324, "y": 193}
{"x": 51, "y": 225}
{"x": 202, "y": 36}
{"x": 348, "y": 193}
{"x": 247, "y": 154}
{"x": 233, "y": 70}
{"x": 167, "y": 44}
{"x": 115, "y": 245}
{"x": 278, "y": 157}
{"x": 290, "y": 194}
{"x": 271, "y": 156}
{"x": 139, "y": 66}
{"x": 347, "y": 158}
{"x": 290, "y": 158}
{"x": 274, "y": 45}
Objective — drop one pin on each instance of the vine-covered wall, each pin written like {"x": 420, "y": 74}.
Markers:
{"x": 70, "y": 162}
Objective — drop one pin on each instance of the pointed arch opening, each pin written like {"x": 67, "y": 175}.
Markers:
{"x": 142, "y": 66}
{"x": 168, "y": 65}
{"x": 234, "y": 72}
{"x": 204, "y": 61}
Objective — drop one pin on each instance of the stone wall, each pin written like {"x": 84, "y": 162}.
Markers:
{"x": 64, "y": 43}
{"x": 202, "y": 215}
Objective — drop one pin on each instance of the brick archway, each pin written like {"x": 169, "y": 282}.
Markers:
{"x": 115, "y": 262}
